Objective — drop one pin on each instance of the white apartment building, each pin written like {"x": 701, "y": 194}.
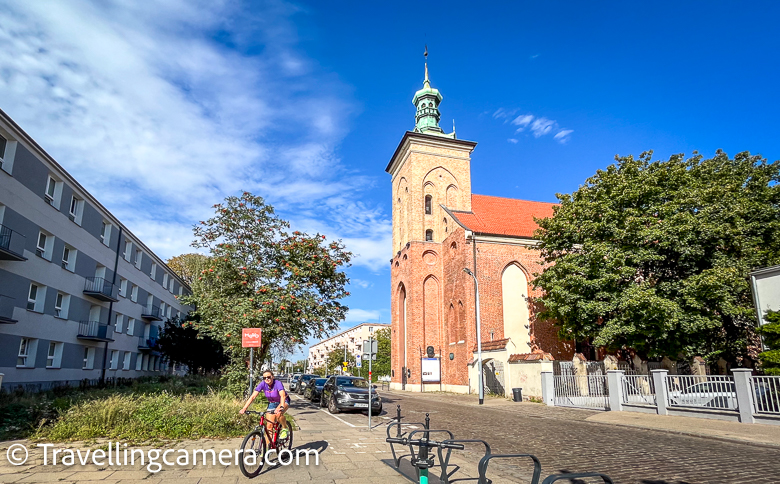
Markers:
{"x": 81, "y": 297}
{"x": 352, "y": 338}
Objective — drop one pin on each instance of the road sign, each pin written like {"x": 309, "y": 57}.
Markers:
{"x": 358, "y": 361}
{"x": 250, "y": 337}
{"x": 367, "y": 357}
{"x": 370, "y": 346}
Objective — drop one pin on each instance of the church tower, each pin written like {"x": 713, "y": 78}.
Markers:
{"x": 431, "y": 176}
{"x": 430, "y": 168}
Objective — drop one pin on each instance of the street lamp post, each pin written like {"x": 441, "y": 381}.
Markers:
{"x": 479, "y": 339}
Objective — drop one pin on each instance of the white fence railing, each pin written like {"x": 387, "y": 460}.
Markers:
{"x": 589, "y": 391}
{"x": 638, "y": 389}
{"x": 716, "y": 392}
{"x": 766, "y": 394}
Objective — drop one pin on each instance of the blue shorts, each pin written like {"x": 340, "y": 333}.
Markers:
{"x": 272, "y": 406}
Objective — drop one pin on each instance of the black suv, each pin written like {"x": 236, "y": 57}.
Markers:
{"x": 349, "y": 393}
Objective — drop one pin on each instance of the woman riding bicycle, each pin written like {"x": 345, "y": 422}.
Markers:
{"x": 278, "y": 402}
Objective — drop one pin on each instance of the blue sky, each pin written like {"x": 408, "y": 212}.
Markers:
{"x": 172, "y": 108}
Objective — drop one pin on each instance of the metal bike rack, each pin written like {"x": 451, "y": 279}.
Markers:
{"x": 557, "y": 477}
{"x": 422, "y": 460}
{"x": 483, "y": 465}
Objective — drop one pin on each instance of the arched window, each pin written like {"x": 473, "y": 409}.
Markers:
{"x": 429, "y": 235}
{"x": 428, "y": 204}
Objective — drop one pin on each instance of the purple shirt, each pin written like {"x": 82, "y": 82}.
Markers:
{"x": 271, "y": 393}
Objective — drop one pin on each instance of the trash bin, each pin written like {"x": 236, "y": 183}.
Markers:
{"x": 517, "y": 394}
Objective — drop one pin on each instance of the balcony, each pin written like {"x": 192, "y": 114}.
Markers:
{"x": 151, "y": 313}
{"x": 148, "y": 344}
{"x": 95, "y": 331}
{"x": 100, "y": 288}
{"x": 11, "y": 244}
{"x": 7, "y": 310}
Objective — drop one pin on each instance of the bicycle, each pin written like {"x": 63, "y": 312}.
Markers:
{"x": 255, "y": 443}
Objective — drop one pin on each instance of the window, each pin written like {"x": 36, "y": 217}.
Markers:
{"x": 138, "y": 258}
{"x": 130, "y": 326}
{"x": 51, "y": 190}
{"x": 69, "y": 258}
{"x": 428, "y": 204}
{"x": 170, "y": 286}
{"x": 44, "y": 241}
{"x": 27, "y": 349}
{"x": 169, "y": 312}
{"x": 370, "y": 329}
{"x": 134, "y": 293}
{"x": 162, "y": 309}
{"x": 429, "y": 235}
{"x": 114, "y": 360}
{"x": 105, "y": 233}
{"x": 61, "y": 305}
{"x": 123, "y": 287}
{"x": 35, "y": 297}
{"x": 54, "y": 356}
{"x": 126, "y": 361}
{"x": 120, "y": 320}
{"x": 75, "y": 209}
{"x": 181, "y": 290}
{"x": 3, "y": 142}
{"x": 153, "y": 272}
{"x": 128, "y": 250}
{"x": 138, "y": 361}
{"x": 89, "y": 358}
{"x": 165, "y": 280}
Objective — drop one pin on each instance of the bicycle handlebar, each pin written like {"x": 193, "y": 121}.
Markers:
{"x": 424, "y": 443}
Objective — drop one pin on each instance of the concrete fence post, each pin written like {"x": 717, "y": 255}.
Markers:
{"x": 744, "y": 394}
{"x": 659, "y": 380}
{"x": 548, "y": 388}
{"x": 615, "y": 388}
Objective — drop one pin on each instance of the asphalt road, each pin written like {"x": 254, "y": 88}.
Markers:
{"x": 565, "y": 442}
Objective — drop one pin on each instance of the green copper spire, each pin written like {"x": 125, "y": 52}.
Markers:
{"x": 427, "y": 101}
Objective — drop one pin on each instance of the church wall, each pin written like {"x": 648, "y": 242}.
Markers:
{"x": 492, "y": 259}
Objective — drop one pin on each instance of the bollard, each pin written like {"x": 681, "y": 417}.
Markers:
{"x": 398, "y": 418}
{"x": 427, "y": 422}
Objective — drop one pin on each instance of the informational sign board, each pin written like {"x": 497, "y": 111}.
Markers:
{"x": 431, "y": 370}
{"x": 370, "y": 346}
{"x": 766, "y": 292}
{"x": 358, "y": 361}
{"x": 250, "y": 338}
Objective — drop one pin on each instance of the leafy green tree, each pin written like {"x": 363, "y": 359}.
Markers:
{"x": 381, "y": 367}
{"x": 182, "y": 343}
{"x": 188, "y": 266}
{"x": 655, "y": 255}
{"x": 261, "y": 276}
{"x": 770, "y": 359}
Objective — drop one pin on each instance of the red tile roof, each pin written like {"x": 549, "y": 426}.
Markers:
{"x": 503, "y": 216}
{"x": 531, "y": 357}
{"x": 498, "y": 344}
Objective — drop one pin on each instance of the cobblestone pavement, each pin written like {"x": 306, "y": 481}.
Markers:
{"x": 565, "y": 442}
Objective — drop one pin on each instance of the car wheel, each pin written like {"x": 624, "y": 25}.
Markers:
{"x": 332, "y": 408}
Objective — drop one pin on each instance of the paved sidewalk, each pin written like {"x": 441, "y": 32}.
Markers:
{"x": 348, "y": 455}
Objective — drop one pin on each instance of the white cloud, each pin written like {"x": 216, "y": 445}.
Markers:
{"x": 542, "y": 126}
{"x": 159, "y": 120}
{"x": 361, "y": 283}
{"x": 538, "y": 125}
{"x": 562, "y": 136}
{"x": 522, "y": 121}
{"x": 356, "y": 316}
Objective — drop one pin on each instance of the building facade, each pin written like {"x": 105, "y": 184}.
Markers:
{"x": 439, "y": 229}
{"x": 352, "y": 338}
{"x": 80, "y": 296}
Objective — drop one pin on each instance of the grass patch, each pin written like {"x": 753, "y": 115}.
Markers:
{"x": 150, "y": 409}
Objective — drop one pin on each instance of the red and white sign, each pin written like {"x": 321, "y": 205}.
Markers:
{"x": 250, "y": 338}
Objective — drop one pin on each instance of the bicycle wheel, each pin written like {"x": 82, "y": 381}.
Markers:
{"x": 252, "y": 446}
{"x": 287, "y": 442}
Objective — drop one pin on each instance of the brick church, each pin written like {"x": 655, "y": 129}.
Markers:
{"x": 439, "y": 228}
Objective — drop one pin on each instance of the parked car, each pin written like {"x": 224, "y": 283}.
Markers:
{"x": 302, "y": 382}
{"x": 710, "y": 394}
{"x": 294, "y": 382}
{"x": 342, "y": 393}
{"x": 314, "y": 389}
